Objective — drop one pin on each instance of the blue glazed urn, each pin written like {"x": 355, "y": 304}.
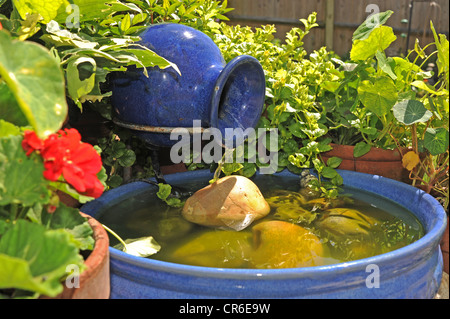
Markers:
{"x": 221, "y": 95}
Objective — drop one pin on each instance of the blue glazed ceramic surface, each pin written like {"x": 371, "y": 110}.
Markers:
{"x": 218, "y": 94}
{"x": 413, "y": 271}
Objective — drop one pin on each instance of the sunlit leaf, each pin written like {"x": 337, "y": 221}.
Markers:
{"x": 140, "y": 247}
{"x": 411, "y": 111}
{"x": 371, "y": 23}
{"x": 378, "y": 97}
{"x": 36, "y": 81}
{"x": 378, "y": 40}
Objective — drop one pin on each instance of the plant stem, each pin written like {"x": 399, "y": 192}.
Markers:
{"x": 13, "y": 211}
{"x": 115, "y": 235}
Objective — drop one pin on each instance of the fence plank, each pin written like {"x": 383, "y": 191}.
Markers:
{"x": 348, "y": 15}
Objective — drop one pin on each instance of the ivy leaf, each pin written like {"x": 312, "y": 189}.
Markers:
{"x": 378, "y": 40}
{"x": 436, "y": 141}
{"x": 29, "y": 70}
{"x": 411, "y": 111}
{"x": 379, "y": 97}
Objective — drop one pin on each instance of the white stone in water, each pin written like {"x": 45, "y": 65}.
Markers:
{"x": 231, "y": 202}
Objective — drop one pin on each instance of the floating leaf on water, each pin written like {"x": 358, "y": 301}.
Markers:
{"x": 141, "y": 247}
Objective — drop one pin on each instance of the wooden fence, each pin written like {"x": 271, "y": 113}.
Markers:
{"x": 338, "y": 19}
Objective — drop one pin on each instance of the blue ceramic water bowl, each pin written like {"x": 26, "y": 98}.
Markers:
{"x": 220, "y": 95}
{"x": 413, "y": 271}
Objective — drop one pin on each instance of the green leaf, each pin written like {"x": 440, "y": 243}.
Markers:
{"x": 164, "y": 194}
{"x": 423, "y": 86}
{"x": 93, "y": 10}
{"x": 249, "y": 169}
{"x": 383, "y": 62}
{"x": 360, "y": 149}
{"x": 35, "y": 259}
{"x": 379, "y": 97}
{"x": 125, "y": 24}
{"x": 230, "y": 168}
{"x": 7, "y": 129}
{"x": 151, "y": 59}
{"x": 78, "y": 85}
{"x": 371, "y": 23}
{"x": 164, "y": 191}
{"x": 411, "y": 111}
{"x": 127, "y": 159}
{"x": 334, "y": 162}
{"x": 436, "y": 141}
{"x": 296, "y": 129}
{"x": 378, "y": 40}
{"x": 9, "y": 109}
{"x": 442, "y": 46}
{"x": 329, "y": 172}
{"x": 69, "y": 218}
{"x": 47, "y": 9}
{"x": 36, "y": 81}
{"x": 21, "y": 175}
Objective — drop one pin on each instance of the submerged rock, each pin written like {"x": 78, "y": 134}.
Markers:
{"x": 216, "y": 248}
{"x": 231, "y": 202}
{"x": 345, "y": 222}
{"x": 280, "y": 244}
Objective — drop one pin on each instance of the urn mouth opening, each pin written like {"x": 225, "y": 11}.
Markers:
{"x": 238, "y": 99}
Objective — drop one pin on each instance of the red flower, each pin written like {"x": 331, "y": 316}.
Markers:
{"x": 65, "y": 154}
{"x": 31, "y": 142}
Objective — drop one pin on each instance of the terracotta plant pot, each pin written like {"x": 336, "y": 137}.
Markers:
{"x": 94, "y": 280}
{"x": 386, "y": 163}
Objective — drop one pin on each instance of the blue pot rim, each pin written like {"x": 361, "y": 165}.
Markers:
{"x": 433, "y": 235}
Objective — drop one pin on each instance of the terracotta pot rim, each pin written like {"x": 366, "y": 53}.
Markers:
{"x": 101, "y": 248}
{"x": 375, "y": 154}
